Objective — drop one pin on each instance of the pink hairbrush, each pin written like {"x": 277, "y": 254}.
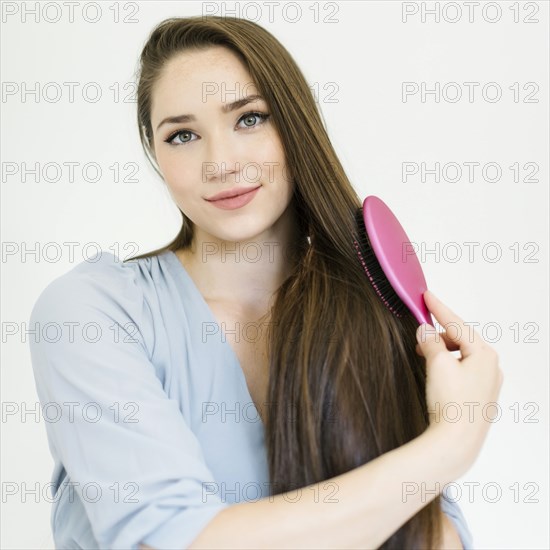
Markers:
{"x": 389, "y": 260}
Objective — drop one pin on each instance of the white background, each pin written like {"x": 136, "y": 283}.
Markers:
{"x": 364, "y": 56}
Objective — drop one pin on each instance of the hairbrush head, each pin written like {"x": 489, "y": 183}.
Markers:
{"x": 395, "y": 257}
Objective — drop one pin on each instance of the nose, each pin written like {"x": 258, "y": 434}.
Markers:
{"x": 220, "y": 158}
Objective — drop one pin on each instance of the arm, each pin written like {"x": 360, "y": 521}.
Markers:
{"x": 370, "y": 504}
{"x": 138, "y": 453}
{"x": 372, "y": 492}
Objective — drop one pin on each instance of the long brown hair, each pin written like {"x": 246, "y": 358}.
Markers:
{"x": 350, "y": 365}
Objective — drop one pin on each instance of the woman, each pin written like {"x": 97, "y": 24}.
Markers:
{"x": 341, "y": 451}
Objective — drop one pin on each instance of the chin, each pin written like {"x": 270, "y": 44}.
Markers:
{"x": 240, "y": 236}
{"x": 240, "y": 228}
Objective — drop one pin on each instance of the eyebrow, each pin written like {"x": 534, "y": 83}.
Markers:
{"x": 227, "y": 108}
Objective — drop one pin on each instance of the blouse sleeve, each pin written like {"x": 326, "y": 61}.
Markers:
{"x": 118, "y": 434}
{"x": 452, "y": 509}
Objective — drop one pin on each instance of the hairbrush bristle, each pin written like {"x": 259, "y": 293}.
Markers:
{"x": 374, "y": 271}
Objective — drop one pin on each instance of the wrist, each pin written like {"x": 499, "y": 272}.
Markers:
{"x": 450, "y": 450}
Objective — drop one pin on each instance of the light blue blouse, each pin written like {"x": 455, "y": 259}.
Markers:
{"x": 149, "y": 419}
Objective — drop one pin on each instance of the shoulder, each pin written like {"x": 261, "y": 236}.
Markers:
{"x": 101, "y": 276}
{"x": 101, "y": 289}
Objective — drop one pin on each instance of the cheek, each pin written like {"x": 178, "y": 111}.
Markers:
{"x": 178, "y": 173}
{"x": 272, "y": 160}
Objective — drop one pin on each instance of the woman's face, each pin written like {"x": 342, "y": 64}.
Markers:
{"x": 218, "y": 146}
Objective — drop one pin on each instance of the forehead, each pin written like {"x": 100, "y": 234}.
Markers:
{"x": 197, "y": 76}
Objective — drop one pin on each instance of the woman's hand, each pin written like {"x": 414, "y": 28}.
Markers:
{"x": 458, "y": 390}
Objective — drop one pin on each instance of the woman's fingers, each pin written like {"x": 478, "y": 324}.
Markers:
{"x": 429, "y": 342}
{"x": 465, "y": 338}
{"x": 450, "y": 343}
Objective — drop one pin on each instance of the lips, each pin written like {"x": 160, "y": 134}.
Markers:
{"x": 235, "y": 192}
{"x": 236, "y": 201}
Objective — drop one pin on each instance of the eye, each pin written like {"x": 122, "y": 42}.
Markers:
{"x": 248, "y": 116}
{"x": 171, "y": 137}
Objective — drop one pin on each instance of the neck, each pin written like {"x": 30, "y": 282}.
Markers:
{"x": 244, "y": 274}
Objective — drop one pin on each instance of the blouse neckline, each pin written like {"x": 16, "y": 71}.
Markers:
{"x": 182, "y": 273}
